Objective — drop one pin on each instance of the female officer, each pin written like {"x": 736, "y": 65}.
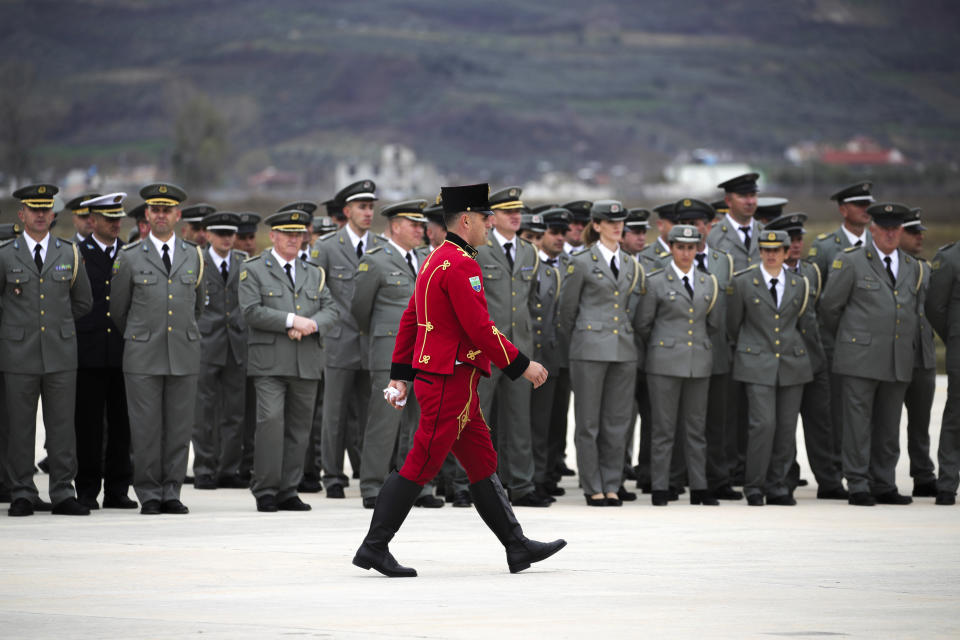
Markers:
{"x": 764, "y": 319}
{"x": 674, "y": 317}
{"x": 598, "y": 300}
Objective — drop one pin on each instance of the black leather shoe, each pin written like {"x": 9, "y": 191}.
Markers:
{"x": 659, "y": 498}
{"x": 861, "y": 499}
{"x": 893, "y": 497}
{"x": 309, "y": 484}
{"x": 704, "y": 497}
{"x": 267, "y": 503}
{"x": 802, "y": 482}
{"x": 335, "y": 491}
{"x": 462, "y": 499}
{"x": 370, "y": 502}
{"x": 174, "y": 507}
{"x": 20, "y": 507}
{"x": 531, "y": 500}
{"x": 644, "y": 486}
{"x": 595, "y": 502}
{"x": 839, "y": 493}
{"x": 543, "y": 494}
{"x": 550, "y": 489}
{"x": 204, "y": 482}
{"x": 613, "y": 502}
{"x": 150, "y": 508}
{"x": 755, "y": 500}
{"x": 118, "y": 502}
{"x": 624, "y": 495}
{"x": 946, "y": 498}
{"x": 673, "y": 495}
{"x": 565, "y": 470}
{"x": 786, "y": 500}
{"x": 629, "y": 473}
{"x": 39, "y": 505}
{"x": 925, "y": 489}
{"x": 70, "y": 507}
{"x": 726, "y": 492}
{"x": 232, "y": 482}
{"x": 428, "y": 502}
{"x": 88, "y": 502}
{"x": 293, "y": 503}
{"x": 188, "y": 479}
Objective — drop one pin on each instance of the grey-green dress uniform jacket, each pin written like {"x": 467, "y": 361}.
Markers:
{"x": 675, "y": 328}
{"x": 725, "y": 237}
{"x": 157, "y": 312}
{"x": 598, "y": 313}
{"x": 37, "y": 332}
{"x": 655, "y": 255}
{"x": 222, "y": 326}
{"x": 347, "y": 347}
{"x": 828, "y": 245}
{"x": 543, "y": 312}
{"x": 720, "y": 264}
{"x": 873, "y": 323}
{"x": 266, "y": 297}
{"x": 770, "y": 347}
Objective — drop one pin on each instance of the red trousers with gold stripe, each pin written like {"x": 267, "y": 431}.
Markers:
{"x": 450, "y": 420}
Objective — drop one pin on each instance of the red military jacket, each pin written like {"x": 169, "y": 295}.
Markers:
{"x": 447, "y": 321}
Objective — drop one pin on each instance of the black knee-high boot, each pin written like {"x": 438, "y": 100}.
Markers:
{"x": 394, "y": 502}
{"x": 494, "y": 507}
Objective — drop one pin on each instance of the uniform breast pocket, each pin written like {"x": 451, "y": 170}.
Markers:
{"x": 666, "y": 343}
{"x": 492, "y": 272}
{"x": 869, "y": 285}
{"x": 188, "y": 279}
{"x": 861, "y": 338}
{"x": 271, "y": 293}
{"x": 589, "y": 325}
{"x": 145, "y": 279}
{"x": 749, "y": 349}
{"x": 340, "y": 273}
{"x": 15, "y": 278}
{"x": 62, "y": 275}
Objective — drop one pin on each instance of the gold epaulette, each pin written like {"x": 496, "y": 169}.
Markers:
{"x": 753, "y": 266}
{"x": 251, "y": 259}
{"x": 849, "y": 249}
{"x": 131, "y": 245}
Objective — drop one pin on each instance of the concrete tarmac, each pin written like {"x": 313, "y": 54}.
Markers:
{"x": 819, "y": 569}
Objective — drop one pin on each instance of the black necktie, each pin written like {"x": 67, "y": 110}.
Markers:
{"x": 858, "y": 243}
{"x": 746, "y": 236}
{"x": 686, "y": 285}
{"x": 552, "y": 262}
{"x": 893, "y": 278}
{"x": 773, "y": 290}
{"x": 36, "y": 257}
{"x": 289, "y": 271}
{"x": 223, "y": 270}
{"x": 304, "y": 256}
{"x": 360, "y": 249}
{"x": 507, "y": 249}
{"x": 613, "y": 267}
{"x": 700, "y": 261}
{"x": 108, "y": 251}
{"x": 413, "y": 269}
{"x": 166, "y": 258}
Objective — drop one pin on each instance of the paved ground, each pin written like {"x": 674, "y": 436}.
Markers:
{"x": 818, "y": 569}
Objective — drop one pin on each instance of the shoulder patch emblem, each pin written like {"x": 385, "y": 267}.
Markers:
{"x": 821, "y": 236}
{"x": 363, "y": 266}
{"x": 243, "y": 275}
{"x": 570, "y": 269}
{"x": 837, "y": 264}
{"x": 935, "y": 264}
{"x": 475, "y": 283}
{"x": 813, "y": 252}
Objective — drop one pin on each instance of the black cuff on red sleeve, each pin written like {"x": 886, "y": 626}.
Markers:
{"x": 402, "y": 371}
{"x": 516, "y": 368}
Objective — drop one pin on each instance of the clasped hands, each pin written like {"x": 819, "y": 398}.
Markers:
{"x": 301, "y": 328}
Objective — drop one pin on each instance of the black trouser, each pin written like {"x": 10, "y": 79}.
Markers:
{"x": 101, "y": 410}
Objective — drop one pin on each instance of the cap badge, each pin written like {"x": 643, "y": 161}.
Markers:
{"x": 866, "y": 186}
{"x": 537, "y": 219}
{"x": 162, "y": 189}
{"x": 687, "y": 232}
{"x": 422, "y": 205}
{"x": 117, "y": 199}
{"x": 888, "y": 208}
{"x": 41, "y": 189}
{"x": 793, "y": 218}
{"x": 294, "y": 216}
{"x": 366, "y": 185}
{"x": 614, "y": 208}
{"x": 513, "y": 193}
{"x": 686, "y": 203}
{"x": 771, "y": 236}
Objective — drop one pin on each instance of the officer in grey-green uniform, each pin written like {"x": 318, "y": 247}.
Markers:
{"x": 8, "y": 231}
{"x": 852, "y": 202}
{"x": 736, "y": 232}
{"x": 718, "y": 430}
{"x": 386, "y": 278}
{"x": 43, "y": 289}
{"x": 288, "y": 310}
{"x": 82, "y": 221}
{"x": 598, "y": 315}
{"x": 218, "y": 429}
{"x": 675, "y": 318}
{"x": 579, "y": 220}
{"x": 246, "y": 241}
{"x": 769, "y": 208}
{"x": 346, "y": 380}
{"x": 546, "y": 347}
{"x": 657, "y": 254}
{"x": 764, "y": 313}
{"x": 943, "y": 310}
{"x": 156, "y": 297}
{"x": 510, "y": 266}
{"x": 818, "y": 431}
{"x": 918, "y": 399}
{"x": 870, "y": 307}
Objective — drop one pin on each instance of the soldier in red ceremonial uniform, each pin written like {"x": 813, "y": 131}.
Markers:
{"x": 445, "y": 343}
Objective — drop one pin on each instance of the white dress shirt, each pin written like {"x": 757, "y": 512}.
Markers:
{"x": 894, "y": 260}
{"x": 781, "y": 277}
{"x": 171, "y": 245}
{"x": 31, "y": 243}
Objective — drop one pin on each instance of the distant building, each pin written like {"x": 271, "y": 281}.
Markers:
{"x": 694, "y": 179}
{"x": 398, "y": 174}
{"x": 856, "y": 152}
